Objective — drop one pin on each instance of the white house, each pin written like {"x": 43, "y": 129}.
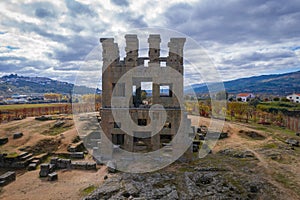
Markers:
{"x": 245, "y": 96}
{"x": 294, "y": 98}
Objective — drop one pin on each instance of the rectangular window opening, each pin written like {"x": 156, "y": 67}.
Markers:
{"x": 118, "y": 139}
{"x": 142, "y": 122}
{"x": 167, "y": 125}
{"x": 117, "y": 125}
{"x": 163, "y": 64}
{"x": 146, "y": 63}
{"x": 165, "y": 91}
{"x": 165, "y": 139}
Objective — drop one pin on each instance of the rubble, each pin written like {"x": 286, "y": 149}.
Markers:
{"x": 43, "y": 118}
{"x": 59, "y": 124}
{"x": 292, "y": 142}
{"x": 17, "y": 135}
{"x": 175, "y": 185}
{"x": 3, "y": 140}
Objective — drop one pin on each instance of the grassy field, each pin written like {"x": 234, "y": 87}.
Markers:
{"x": 278, "y": 106}
{"x": 20, "y": 106}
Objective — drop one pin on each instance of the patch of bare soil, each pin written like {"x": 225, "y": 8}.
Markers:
{"x": 69, "y": 185}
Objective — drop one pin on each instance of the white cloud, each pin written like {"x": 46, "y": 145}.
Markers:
{"x": 53, "y": 38}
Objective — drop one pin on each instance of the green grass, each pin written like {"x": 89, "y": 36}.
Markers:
{"x": 56, "y": 130}
{"x": 88, "y": 190}
{"x": 12, "y": 155}
{"x": 270, "y": 146}
{"x": 20, "y": 106}
{"x": 272, "y": 128}
{"x": 275, "y": 107}
{"x": 287, "y": 182}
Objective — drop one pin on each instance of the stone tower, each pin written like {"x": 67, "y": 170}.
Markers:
{"x": 136, "y": 101}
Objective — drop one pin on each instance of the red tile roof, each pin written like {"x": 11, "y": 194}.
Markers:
{"x": 243, "y": 94}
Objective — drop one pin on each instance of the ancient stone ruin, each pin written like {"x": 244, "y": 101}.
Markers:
{"x": 122, "y": 95}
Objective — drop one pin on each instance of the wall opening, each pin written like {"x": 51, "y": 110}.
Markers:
{"x": 117, "y": 124}
{"x": 165, "y": 139}
{"x": 118, "y": 139}
{"x": 142, "y": 122}
{"x": 165, "y": 91}
{"x": 146, "y": 63}
{"x": 163, "y": 64}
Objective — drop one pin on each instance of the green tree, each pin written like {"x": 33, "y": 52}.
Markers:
{"x": 254, "y": 102}
{"x": 143, "y": 95}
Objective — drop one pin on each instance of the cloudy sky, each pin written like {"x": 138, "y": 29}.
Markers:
{"x": 241, "y": 37}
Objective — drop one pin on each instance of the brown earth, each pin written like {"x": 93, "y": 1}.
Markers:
{"x": 277, "y": 162}
{"x": 283, "y": 172}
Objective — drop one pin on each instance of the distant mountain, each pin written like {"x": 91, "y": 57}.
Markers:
{"x": 13, "y": 84}
{"x": 275, "y": 84}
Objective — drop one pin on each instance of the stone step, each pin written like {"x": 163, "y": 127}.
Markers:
{"x": 32, "y": 166}
{"x": 35, "y": 161}
{"x": 26, "y": 157}
{"x": 23, "y": 154}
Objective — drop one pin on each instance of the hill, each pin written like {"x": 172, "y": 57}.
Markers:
{"x": 275, "y": 84}
{"x": 12, "y": 84}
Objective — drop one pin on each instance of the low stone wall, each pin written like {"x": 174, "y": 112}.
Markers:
{"x": 77, "y": 155}
{"x": 58, "y": 163}
{"x": 84, "y": 165}
{"x": 7, "y": 178}
{"x": 19, "y": 162}
{"x": 61, "y": 163}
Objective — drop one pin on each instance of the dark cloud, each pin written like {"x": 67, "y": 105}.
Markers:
{"x": 43, "y": 13}
{"x": 269, "y": 28}
{"x": 120, "y": 2}
{"x": 10, "y": 58}
{"x": 237, "y": 21}
{"x": 250, "y": 57}
{"x": 76, "y": 8}
{"x": 40, "y": 9}
{"x": 133, "y": 22}
{"x": 78, "y": 48}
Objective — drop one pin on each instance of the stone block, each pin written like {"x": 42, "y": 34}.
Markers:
{"x": 45, "y": 170}
{"x": 77, "y": 155}
{"x": 79, "y": 165}
{"x": 32, "y": 166}
{"x": 7, "y": 178}
{"x": 52, "y": 176}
